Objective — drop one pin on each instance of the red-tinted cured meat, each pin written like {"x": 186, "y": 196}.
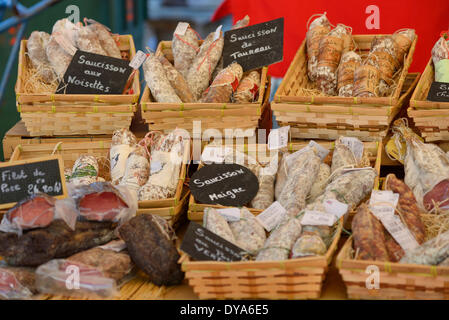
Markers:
{"x": 439, "y": 195}
{"x": 35, "y": 212}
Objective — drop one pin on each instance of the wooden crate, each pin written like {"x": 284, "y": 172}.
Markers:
{"x": 431, "y": 117}
{"x": 397, "y": 280}
{"x": 75, "y": 114}
{"x": 324, "y": 116}
{"x": 171, "y": 209}
{"x": 18, "y": 135}
{"x": 289, "y": 279}
{"x": 220, "y": 116}
{"x": 196, "y": 210}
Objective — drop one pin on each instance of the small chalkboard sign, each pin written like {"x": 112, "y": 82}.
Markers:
{"x": 204, "y": 245}
{"x": 90, "y": 73}
{"x": 226, "y": 184}
{"x": 255, "y": 46}
{"x": 22, "y": 179}
{"x": 439, "y": 91}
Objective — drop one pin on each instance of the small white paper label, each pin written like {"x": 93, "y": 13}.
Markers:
{"x": 215, "y": 154}
{"x": 272, "y": 216}
{"x": 291, "y": 158}
{"x": 317, "y": 218}
{"x": 383, "y": 203}
{"x": 230, "y": 214}
{"x": 155, "y": 167}
{"x": 399, "y": 232}
{"x": 355, "y": 145}
{"x": 116, "y": 246}
{"x": 335, "y": 207}
{"x": 322, "y": 151}
{"x": 218, "y": 32}
{"x": 181, "y": 28}
{"x": 278, "y": 138}
{"x": 138, "y": 60}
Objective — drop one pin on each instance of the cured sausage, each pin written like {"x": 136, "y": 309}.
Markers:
{"x": 185, "y": 48}
{"x": 224, "y": 84}
{"x": 177, "y": 81}
{"x": 36, "y": 49}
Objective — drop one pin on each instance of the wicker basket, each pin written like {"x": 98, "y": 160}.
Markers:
{"x": 220, "y": 116}
{"x": 397, "y": 281}
{"x": 290, "y": 279}
{"x": 196, "y": 210}
{"x": 431, "y": 118}
{"x": 75, "y": 114}
{"x": 171, "y": 209}
{"x": 321, "y": 117}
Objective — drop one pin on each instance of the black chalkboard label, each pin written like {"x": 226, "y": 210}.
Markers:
{"x": 226, "y": 184}
{"x": 255, "y": 46}
{"x": 204, "y": 245}
{"x": 439, "y": 91}
{"x": 22, "y": 179}
{"x": 90, "y": 73}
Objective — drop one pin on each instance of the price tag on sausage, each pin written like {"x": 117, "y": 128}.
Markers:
{"x": 317, "y": 218}
{"x": 215, "y": 154}
{"x": 355, "y": 145}
{"x": 278, "y": 138}
{"x": 271, "y": 217}
{"x": 138, "y": 60}
{"x": 181, "y": 28}
{"x": 230, "y": 214}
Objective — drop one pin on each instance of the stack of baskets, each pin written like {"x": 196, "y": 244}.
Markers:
{"x": 323, "y": 117}
{"x": 301, "y": 278}
{"x": 219, "y": 116}
{"x": 75, "y": 114}
{"x": 430, "y": 118}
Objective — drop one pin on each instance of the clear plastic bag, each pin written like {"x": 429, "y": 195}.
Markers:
{"x": 16, "y": 283}
{"x": 101, "y": 201}
{"x": 74, "y": 279}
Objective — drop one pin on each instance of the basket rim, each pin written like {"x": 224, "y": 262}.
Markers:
{"x": 84, "y": 97}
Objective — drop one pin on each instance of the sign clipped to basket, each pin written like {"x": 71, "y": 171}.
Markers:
{"x": 204, "y": 245}
{"x": 439, "y": 91}
{"x": 90, "y": 73}
{"x": 226, "y": 184}
{"x": 255, "y": 46}
{"x": 22, "y": 179}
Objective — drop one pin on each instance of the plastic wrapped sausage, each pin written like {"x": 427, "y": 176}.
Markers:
{"x": 87, "y": 40}
{"x": 266, "y": 175}
{"x": 224, "y": 84}
{"x": 281, "y": 176}
{"x": 248, "y": 232}
{"x": 349, "y": 63}
{"x": 177, "y": 81}
{"x": 137, "y": 169}
{"x": 165, "y": 165}
{"x": 383, "y": 56}
{"x": 403, "y": 40}
{"x": 107, "y": 42}
{"x": 85, "y": 170}
{"x": 36, "y": 49}
{"x": 123, "y": 143}
{"x": 67, "y": 29}
{"x": 308, "y": 244}
{"x": 315, "y": 32}
{"x": 158, "y": 82}
{"x": 330, "y": 52}
{"x": 432, "y": 252}
{"x": 214, "y": 222}
{"x": 440, "y": 58}
{"x": 408, "y": 207}
{"x": 239, "y": 24}
{"x": 300, "y": 180}
{"x": 342, "y": 156}
{"x": 203, "y": 65}
{"x": 280, "y": 242}
{"x": 60, "y": 59}
{"x": 248, "y": 88}
{"x": 185, "y": 48}
{"x": 320, "y": 183}
{"x": 369, "y": 237}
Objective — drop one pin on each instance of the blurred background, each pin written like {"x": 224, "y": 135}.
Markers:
{"x": 149, "y": 21}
